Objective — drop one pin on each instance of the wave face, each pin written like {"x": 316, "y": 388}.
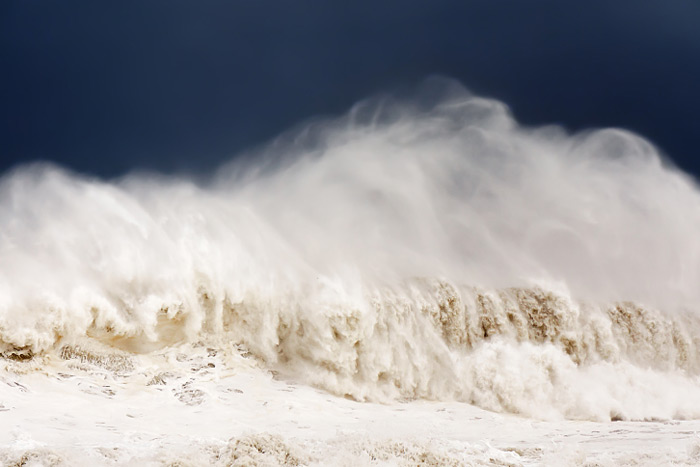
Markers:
{"x": 422, "y": 247}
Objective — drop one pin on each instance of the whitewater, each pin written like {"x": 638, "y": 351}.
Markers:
{"x": 421, "y": 281}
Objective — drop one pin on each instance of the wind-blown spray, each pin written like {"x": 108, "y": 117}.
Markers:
{"x": 428, "y": 247}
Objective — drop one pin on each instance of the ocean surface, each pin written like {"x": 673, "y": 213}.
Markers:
{"x": 422, "y": 281}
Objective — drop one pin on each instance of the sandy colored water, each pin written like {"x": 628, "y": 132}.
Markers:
{"x": 197, "y": 406}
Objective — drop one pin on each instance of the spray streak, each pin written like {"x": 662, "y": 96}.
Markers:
{"x": 426, "y": 248}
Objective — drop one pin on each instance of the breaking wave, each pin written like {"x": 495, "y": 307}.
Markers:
{"x": 424, "y": 247}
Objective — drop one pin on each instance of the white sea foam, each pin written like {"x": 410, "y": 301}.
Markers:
{"x": 428, "y": 247}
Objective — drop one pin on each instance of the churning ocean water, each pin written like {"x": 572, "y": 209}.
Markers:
{"x": 422, "y": 281}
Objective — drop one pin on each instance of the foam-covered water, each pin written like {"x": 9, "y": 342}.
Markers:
{"x": 416, "y": 248}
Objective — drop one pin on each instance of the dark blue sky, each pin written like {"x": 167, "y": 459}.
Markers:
{"x": 105, "y": 87}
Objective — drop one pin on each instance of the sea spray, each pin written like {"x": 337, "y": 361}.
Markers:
{"x": 426, "y": 247}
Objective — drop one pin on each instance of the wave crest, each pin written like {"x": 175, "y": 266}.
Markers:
{"x": 309, "y": 253}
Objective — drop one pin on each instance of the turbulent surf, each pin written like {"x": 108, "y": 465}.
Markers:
{"x": 418, "y": 248}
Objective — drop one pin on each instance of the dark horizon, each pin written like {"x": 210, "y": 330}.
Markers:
{"x": 181, "y": 87}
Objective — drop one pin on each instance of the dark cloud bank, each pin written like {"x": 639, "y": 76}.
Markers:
{"x": 182, "y": 86}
